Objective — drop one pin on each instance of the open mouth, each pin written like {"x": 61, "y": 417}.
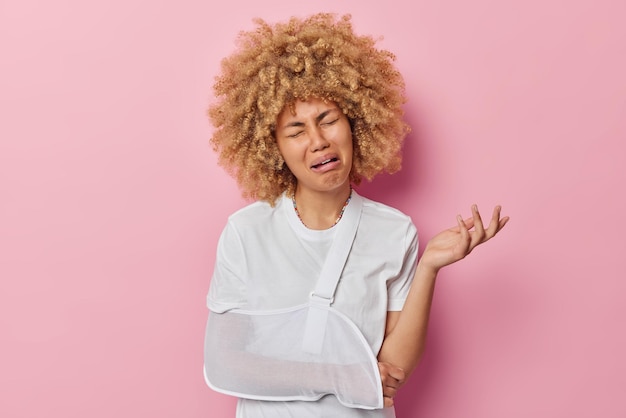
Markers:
{"x": 330, "y": 160}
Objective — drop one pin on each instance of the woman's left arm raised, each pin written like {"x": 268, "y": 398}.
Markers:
{"x": 405, "y": 334}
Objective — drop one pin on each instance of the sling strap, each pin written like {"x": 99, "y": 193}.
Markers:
{"x": 323, "y": 296}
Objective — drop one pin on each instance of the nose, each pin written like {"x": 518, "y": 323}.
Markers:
{"x": 318, "y": 140}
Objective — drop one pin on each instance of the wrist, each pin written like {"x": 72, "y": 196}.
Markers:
{"x": 426, "y": 269}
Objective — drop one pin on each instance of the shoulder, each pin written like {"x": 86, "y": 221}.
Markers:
{"x": 383, "y": 222}
{"x": 258, "y": 218}
{"x": 378, "y": 212}
{"x": 252, "y": 212}
{"x": 382, "y": 209}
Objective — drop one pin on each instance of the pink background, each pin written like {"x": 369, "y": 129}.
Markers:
{"x": 111, "y": 201}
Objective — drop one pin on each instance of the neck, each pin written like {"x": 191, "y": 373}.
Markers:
{"x": 321, "y": 210}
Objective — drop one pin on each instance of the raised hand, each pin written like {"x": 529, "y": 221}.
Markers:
{"x": 457, "y": 242}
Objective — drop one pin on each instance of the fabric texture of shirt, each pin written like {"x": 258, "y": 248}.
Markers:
{"x": 267, "y": 259}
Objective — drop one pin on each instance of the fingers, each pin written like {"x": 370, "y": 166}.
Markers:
{"x": 467, "y": 223}
{"x": 494, "y": 224}
{"x": 464, "y": 227}
{"x": 479, "y": 234}
{"x": 392, "y": 378}
{"x": 397, "y": 374}
{"x": 501, "y": 222}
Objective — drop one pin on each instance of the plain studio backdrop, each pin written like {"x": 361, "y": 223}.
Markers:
{"x": 111, "y": 201}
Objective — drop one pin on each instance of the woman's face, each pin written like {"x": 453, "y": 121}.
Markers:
{"x": 315, "y": 141}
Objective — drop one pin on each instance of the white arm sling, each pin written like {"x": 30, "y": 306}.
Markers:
{"x": 299, "y": 353}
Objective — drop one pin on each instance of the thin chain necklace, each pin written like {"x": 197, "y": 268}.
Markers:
{"x": 343, "y": 209}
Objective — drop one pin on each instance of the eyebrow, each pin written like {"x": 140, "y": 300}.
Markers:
{"x": 317, "y": 119}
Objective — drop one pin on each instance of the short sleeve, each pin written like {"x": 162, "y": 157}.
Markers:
{"x": 398, "y": 287}
{"x": 228, "y": 284}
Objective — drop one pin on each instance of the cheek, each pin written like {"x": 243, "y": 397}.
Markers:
{"x": 349, "y": 142}
{"x": 283, "y": 147}
{"x": 291, "y": 152}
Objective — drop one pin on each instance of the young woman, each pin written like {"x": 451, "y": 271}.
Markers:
{"x": 319, "y": 307}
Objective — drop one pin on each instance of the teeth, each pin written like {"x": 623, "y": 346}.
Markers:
{"x": 325, "y": 162}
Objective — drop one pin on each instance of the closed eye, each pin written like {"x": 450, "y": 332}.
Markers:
{"x": 330, "y": 122}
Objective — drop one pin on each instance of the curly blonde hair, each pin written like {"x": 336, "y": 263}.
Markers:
{"x": 316, "y": 57}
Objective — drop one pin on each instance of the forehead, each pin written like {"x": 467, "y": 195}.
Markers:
{"x": 304, "y": 109}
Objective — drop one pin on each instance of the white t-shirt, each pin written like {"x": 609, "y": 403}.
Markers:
{"x": 267, "y": 259}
